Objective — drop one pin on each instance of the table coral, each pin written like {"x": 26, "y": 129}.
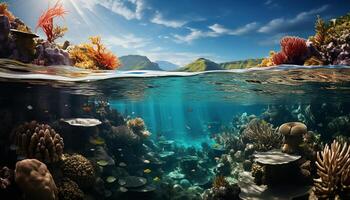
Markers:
{"x": 79, "y": 169}
{"x": 40, "y": 141}
{"x": 33, "y": 177}
{"x": 333, "y": 167}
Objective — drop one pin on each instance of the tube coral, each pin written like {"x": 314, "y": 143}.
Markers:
{"x": 45, "y": 22}
{"x": 333, "y": 167}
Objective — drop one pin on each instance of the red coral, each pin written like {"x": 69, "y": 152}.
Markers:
{"x": 45, "y": 21}
{"x": 104, "y": 58}
{"x": 279, "y": 58}
{"x": 295, "y": 49}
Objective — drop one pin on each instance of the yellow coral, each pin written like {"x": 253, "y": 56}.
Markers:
{"x": 93, "y": 56}
{"x": 267, "y": 62}
{"x": 4, "y": 11}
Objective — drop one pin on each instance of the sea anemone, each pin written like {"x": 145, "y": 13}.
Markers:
{"x": 295, "y": 49}
{"x": 45, "y": 22}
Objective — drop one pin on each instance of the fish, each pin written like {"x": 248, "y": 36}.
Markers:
{"x": 30, "y": 107}
{"x": 147, "y": 171}
{"x": 110, "y": 179}
{"x": 146, "y": 161}
{"x": 86, "y": 108}
{"x": 102, "y": 163}
{"x": 122, "y": 164}
{"x": 156, "y": 179}
{"x": 97, "y": 141}
{"x": 188, "y": 127}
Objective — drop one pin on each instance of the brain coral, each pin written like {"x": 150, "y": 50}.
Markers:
{"x": 79, "y": 169}
{"x": 33, "y": 177}
{"x": 40, "y": 141}
{"x": 69, "y": 190}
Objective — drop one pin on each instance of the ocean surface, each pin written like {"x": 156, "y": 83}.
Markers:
{"x": 185, "y": 107}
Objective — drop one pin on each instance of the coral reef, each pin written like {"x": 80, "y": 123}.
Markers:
{"x": 69, "y": 190}
{"x": 268, "y": 62}
{"x": 331, "y": 41}
{"x": 222, "y": 190}
{"x": 333, "y": 167}
{"x": 138, "y": 127}
{"x": 292, "y": 136}
{"x": 40, "y": 141}
{"x": 93, "y": 56}
{"x": 122, "y": 135}
{"x": 46, "y": 21}
{"x": 294, "y": 49}
{"x": 6, "y": 177}
{"x": 33, "y": 177}
{"x": 279, "y": 58}
{"x": 79, "y": 169}
{"x": 261, "y": 135}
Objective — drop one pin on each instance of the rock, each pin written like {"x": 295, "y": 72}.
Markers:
{"x": 247, "y": 165}
{"x": 4, "y": 29}
{"x": 185, "y": 183}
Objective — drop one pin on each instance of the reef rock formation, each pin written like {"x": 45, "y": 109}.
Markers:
{"x": 333, "y": 167}
{"x": 6, "y": 177}
{"x": 40, "y": 141}
{"x": 79, "y": 169}
{"x": 69, "y": 190}
{"x": 138, "y": 127}
{"x": 261, "y": 135}
{"x": 33, "y": 177}
{"x": 292, "y": 136}
{"x": 50, "y": 54}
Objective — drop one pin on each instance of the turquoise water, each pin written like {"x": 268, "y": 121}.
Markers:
{"x": 180, "y": 110}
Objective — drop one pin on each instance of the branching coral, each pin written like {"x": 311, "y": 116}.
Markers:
{"x": 220, "y": 181}
{"x": 45, "y": 22}
{"x": 94, "y": 56}
{"x": 295, "y": 50}
{"x": 333, "y": 167}
{"x": 268, "y": 62}
{"x": 79, "y": 169}
{"x": 4, "y": 11}
{"x": 40, "y": 141}
{"x": 261, "y": 135}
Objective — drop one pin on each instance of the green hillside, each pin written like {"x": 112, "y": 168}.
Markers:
{"x": 241, "y": 64}
{"x": 137, "y": 62}
{"x": 200, "y": 65}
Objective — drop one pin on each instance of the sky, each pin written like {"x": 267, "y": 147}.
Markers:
{"x": 180, "y": 31}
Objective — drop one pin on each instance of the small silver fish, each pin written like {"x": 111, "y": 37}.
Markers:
{"x": 29, "y": 107}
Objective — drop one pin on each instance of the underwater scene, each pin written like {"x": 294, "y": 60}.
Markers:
{"x": 78, "y": 122}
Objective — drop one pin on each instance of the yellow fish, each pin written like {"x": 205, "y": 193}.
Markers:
{"x": 97, "y": 141}
{"x": 156, "y": 179}
{"x": 147, "y": 171}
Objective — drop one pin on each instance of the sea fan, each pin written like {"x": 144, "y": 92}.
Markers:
{"x": 45, "y": 21}
{"x": 295, "y": 49}
{"x": 279, "y": 58}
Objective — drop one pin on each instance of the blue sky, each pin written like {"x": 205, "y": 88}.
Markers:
{"x": 180, "y": 31}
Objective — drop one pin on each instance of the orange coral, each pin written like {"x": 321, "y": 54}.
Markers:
{"x": 94, "y": 56}
{"x": 104, "y": 58}
{"x": 220, "y": 181}
{"x": 4, "y": 11}
{"x": 45, "y": 21}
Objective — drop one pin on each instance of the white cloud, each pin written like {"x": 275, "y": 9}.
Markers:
{"x": 273, "y": 40}
{"x": 279, "y": 25}
{"x": 128, "y": 41}
{"x": 129, "y": 9}
{"x": 216, "y": 30}
{"x": 159, "y": 19}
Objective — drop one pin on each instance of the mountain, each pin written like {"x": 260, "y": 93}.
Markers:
{"x": 166, "y": 66}
{"x": 200, "y": 65}
{"x": 241, "y": 64}
{"x": 137, "y": 62}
